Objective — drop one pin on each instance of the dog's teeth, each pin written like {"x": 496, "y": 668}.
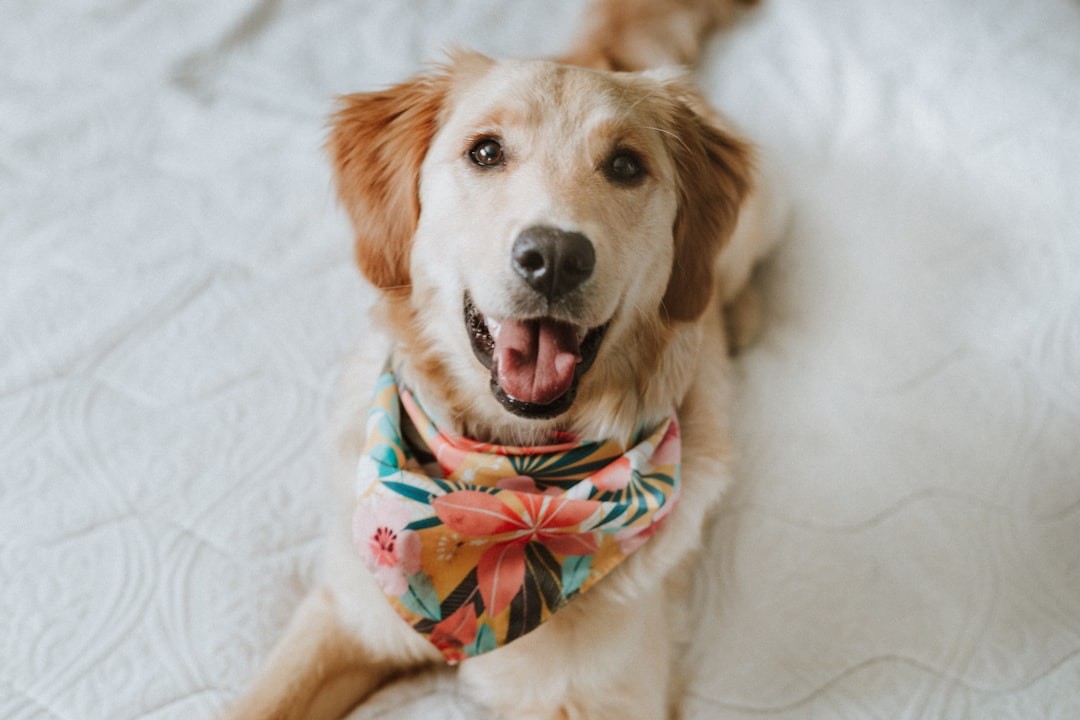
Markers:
{"x": 581, "y": 333}
{"x": 492, "y": 326}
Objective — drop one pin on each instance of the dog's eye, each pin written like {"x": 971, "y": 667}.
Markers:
{"x": 487, "y": 152}
{"x": 625, "y": 167}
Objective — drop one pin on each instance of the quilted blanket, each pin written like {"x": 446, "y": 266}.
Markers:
{"x": 177, "y": 299}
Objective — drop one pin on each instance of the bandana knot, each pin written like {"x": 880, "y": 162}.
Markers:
{"x": 476, "y": 544}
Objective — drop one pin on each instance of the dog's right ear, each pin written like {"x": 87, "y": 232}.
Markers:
{"x": 377, "y": 143}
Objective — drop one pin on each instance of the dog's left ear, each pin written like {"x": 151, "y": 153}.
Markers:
{"x": 713, "y": 176}
{"x": 377, "y": 143}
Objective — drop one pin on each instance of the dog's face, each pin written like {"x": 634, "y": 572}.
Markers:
{"x": 541, "y": 231}
{"x": 543, "y": 224}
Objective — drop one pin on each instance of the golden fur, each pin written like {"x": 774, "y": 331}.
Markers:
{"x": 671, "y": 250}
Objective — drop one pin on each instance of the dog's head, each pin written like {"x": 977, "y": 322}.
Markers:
{"x": 541, "y": 234}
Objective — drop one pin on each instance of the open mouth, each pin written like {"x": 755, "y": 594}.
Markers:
{"x": 535, "y": 363}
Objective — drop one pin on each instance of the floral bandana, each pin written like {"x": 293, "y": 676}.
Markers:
{"x": 477, "y": 544}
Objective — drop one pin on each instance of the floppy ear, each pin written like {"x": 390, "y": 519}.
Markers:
{"x": 713, "y": 171}
{"x": 377, "y": 142}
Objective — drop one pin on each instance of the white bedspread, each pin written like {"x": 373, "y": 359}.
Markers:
{"x": 176, "y": 299}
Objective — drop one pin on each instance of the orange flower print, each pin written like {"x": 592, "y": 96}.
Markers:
{"x": 513, "y": 520}
{"x": 455, "y": 632}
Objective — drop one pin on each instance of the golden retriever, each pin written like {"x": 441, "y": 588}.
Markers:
{"x": 554, "y": 244}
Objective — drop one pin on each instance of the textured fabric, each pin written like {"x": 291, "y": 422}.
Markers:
{"x": 177, "y": 297}
{"x": 477, "y": 544}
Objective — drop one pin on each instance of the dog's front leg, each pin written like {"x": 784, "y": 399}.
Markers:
{"x": 605, "y": 657}
{"x": 317, "y": 671}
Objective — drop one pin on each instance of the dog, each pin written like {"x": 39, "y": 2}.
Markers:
{"x": 561, "y": 251}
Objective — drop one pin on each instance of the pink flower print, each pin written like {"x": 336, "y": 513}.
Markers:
{"x": 389, "y": 551}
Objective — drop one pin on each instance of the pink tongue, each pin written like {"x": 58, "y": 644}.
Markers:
{"x": 535, "y": 359}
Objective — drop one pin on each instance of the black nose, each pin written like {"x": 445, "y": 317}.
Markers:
{"x": 553, "y": 262}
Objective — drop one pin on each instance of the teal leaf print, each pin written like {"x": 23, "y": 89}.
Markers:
{"x": 413, "y": 493}
{"x": 575, "y": 571}
{"x": 387, "y": 425}
{"x": 613, "y": 514}
{"x": 424, "y": 523}
{"x": 420, "y": 598}
{"x": 385, "y": 456}
{"x": 485, "y": 641}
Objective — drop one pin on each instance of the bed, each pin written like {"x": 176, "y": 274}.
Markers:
{"x": 177, "y": 300}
